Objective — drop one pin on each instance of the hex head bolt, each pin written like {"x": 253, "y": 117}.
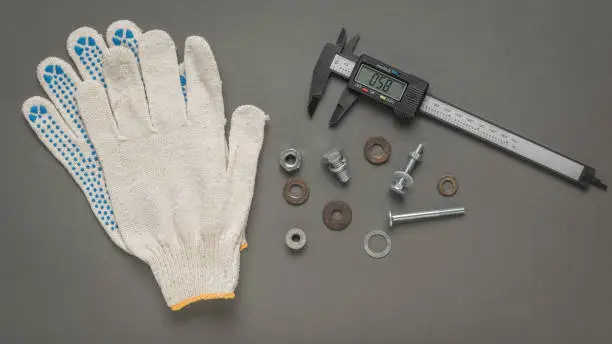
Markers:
{"x": 394, "y": 219}
{"x": 336, "y": 163}
{"x": 403, "y": 179}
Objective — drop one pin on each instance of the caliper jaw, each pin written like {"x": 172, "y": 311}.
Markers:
{"x": 322, "y": 70}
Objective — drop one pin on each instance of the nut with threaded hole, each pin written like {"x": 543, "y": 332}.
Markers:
{"x": 336, "y": 164}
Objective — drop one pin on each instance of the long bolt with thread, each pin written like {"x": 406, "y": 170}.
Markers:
{"x": 393, "y": 219}
{"x": 403, "y": 179}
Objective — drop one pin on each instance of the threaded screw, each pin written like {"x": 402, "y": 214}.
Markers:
{"x": 336, "y": 163}
{"x": 403, "y": 179}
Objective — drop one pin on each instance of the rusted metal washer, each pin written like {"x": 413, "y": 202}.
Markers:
{"x": 337, "y": 215}
{"x": 296, "y": 198}
{"x": 369, "y": 150}
{"x": 448, "y": 180}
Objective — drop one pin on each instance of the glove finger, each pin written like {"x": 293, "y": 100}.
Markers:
{"x": 245, "y": 142}
{"x": 160, "y": 73}
{"x": 78, "y": 158}
{"x": 183, "y": 78}
{"x": 99, "y": 120}
{"x": 126, "y": 93}
{"x": 61, "y": 82}
{"x": 124, "y": 33}
{"x": 86, "y": 48}
{"x": 199, "y": 104}
{"x": 208, "y": 69}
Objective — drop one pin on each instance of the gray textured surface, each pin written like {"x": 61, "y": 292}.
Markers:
{"x": 530, "y": 263}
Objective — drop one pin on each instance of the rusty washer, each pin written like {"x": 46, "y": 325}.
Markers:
{"x": 346, "y": 215}
{"x": 369, "y": 154}
{"x": 454, "y": 186}
{"x": 296, "y": 198}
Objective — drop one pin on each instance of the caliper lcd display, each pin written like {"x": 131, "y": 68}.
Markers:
{"x": 380, "y": 82}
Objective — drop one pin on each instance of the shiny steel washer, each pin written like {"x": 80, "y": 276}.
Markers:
{"x": 295, "y": 239}
{"x": 381, "y": 254}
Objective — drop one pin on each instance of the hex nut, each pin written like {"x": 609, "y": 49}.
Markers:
{"x": 290, "y": 160}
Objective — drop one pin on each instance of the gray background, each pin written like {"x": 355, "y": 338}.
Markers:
{"x": 530, "y": 263}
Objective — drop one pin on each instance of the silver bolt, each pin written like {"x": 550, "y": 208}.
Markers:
{"x": 403, "y": 179}
{"x": 336, "y": 163}
{"x": 394, "y": 219}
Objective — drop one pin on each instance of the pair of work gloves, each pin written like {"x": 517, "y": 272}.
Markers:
{"x": 144, "y": 138}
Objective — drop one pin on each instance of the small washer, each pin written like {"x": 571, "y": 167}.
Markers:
{"x": 368, "y": 150}
{"x": 299, "y": 198}
{"x": 346, "y": 215}
{"x": 454, "y": 186}
{"x": 381, "y": 254}
{"x": 295, "y": 239}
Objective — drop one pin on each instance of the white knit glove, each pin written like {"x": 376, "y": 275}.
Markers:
{"x": 57, "y": 121}
{"x": 180, "y": 195}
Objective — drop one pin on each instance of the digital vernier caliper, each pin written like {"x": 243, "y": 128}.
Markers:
{"x": 406, "y": 95}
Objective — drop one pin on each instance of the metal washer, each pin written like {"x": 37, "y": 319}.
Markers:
{"x": 300, "y": 198}
{"x": 328, "y": 215}
{"x": 453, "y": 189}
{"x": 368, "y": 150}
{"x": 381, "y": 254}
{"x": 291, "y": 243}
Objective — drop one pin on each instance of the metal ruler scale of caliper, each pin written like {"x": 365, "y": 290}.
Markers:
{"x": 406, "y": 95}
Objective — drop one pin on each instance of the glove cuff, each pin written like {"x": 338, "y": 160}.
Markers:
{"x": 203, "y": 269}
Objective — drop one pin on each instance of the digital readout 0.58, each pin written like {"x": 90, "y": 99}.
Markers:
{"x": 380, "y": 82}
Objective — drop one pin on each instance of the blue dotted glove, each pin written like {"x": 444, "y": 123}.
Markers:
{"x": 57, "y": 121}
{"x": 58, "y": 124}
